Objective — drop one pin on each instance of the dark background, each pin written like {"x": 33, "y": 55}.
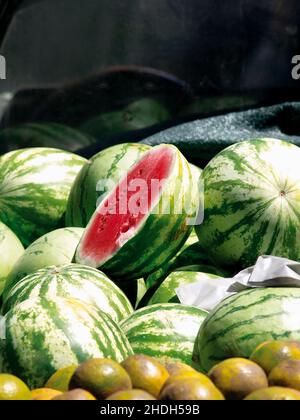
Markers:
{"x": 215, "y": 45}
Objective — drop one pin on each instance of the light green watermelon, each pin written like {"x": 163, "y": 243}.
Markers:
{"x": 159, "y": 277}
{"x": 141, "y": 291}
{"x": 55, "y": 248}
{"x": 134, "y": 290}
{"x": 11, "y": 250}
{"x": 197, "y": 194}
{"x": 132, "y": 245}
{"x": 191, "y": 240}
{"x": 34, "y": 189}
{"x": 196, "y": 175}
{"x": 110, "y": 164}
{"x": 252, "y": 201}
{"x": 164, "y": 330}
{"x": 43, "y": 135}
{"x": 243, "y": 321}
{"x": 42, "y": 336}
{"x": 71, "y": 281}
{"x": 167, "y": 290}
{"x": 196, "y": 171}
{"x": 190, "y": 254}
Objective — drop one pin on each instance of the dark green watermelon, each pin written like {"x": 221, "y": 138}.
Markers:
{"x": 140, "y": 114}
{"x": 43, "y": 135}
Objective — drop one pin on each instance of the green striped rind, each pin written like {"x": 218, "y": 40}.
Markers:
{"x": 252, "y": 200}
{"x": 110, "y": 164}
{"x": 242, "y": 322}
{"x": 196, "y": 175}
{"x": 190, "y": 254}
{"x": 11, "y": 250}
{"x": 191, "y": 240}
{"x": 72, "y": 281}
{"x": 141, "y": 291}
{"x": 157, "y": 280}
{"x": 160, "y": 235}
{"x": 43, "y": 135}
{"x": 55, "y": 248}
{"x": 133, "y": 289}
{"x": 34, "y": 188}
{"x": 167, "y": 290}
{"x": 165, "y": 330}
{"x": 43, "y": 336}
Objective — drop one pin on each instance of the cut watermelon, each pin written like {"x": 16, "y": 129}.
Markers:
{"x": 137, "y": 207}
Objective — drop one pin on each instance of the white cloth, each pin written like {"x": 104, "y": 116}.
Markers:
{"x": 268, "y": 271}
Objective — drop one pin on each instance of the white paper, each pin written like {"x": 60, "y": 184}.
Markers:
{"x": 268, "y": 271}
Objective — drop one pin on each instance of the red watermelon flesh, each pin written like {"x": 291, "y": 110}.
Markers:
{"x": 115, "y": 220}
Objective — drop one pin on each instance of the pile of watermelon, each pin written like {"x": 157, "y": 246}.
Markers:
{"x": 92, "y": 253}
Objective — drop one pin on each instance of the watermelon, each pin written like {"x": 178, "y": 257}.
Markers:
{"x": 196, "y": 171}
{"x": 139, "y": 228}
{"x": 90, "y": 185}
{"x": 141, "y": 291}
{"x": 42, "y": 336}
{"x": 43, "y": 135}
{"x": 191, "y": 254}
{"x": 35, "y": 185}
{"x": 205, "y": 268}
{"x": 139, "y": 114}
{"x": 133, "y": 289}
{"x": 188, "y": 255}
{"x": 161, "y": 275}
{"x": 11, "y": 250}
{"x": 55, "y": 248}
{"x": 196, "y": 175}
{"x": 164, "y": 330}
{"x": 72, "y": 281}
{"x": 167, "y": 290}
{"x": 252, "y": 196}
{"x": 243, "y": 321}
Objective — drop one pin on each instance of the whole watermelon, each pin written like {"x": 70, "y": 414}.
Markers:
{"x": 54, "y": 248}
{"x": 196, "y": 175}
{"x": 190, "y": 254}
{"x": 133, "y": 289}
{"x": 71, "y": 281}
{"x": 167, "y": 290}
{"x": 34, "y": 188}
{"x": 243, "y": 321}
{"x": 164, "y": 330}
{"x": 11, "y": 250}
{"x": 139, "y": 114}
{"x": 43, "y": 135}
{"x": 110, "y": 164}
{"x": 42, "y": 336}
{"x": 142, "y": 242}
{"x": 252, "y": 196}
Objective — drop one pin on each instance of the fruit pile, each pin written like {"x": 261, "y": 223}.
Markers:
{"x": 272, "y": 373}
{"x": 92, "y": 253}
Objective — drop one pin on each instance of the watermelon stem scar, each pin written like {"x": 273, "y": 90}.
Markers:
{"x": 126, "y": 208}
